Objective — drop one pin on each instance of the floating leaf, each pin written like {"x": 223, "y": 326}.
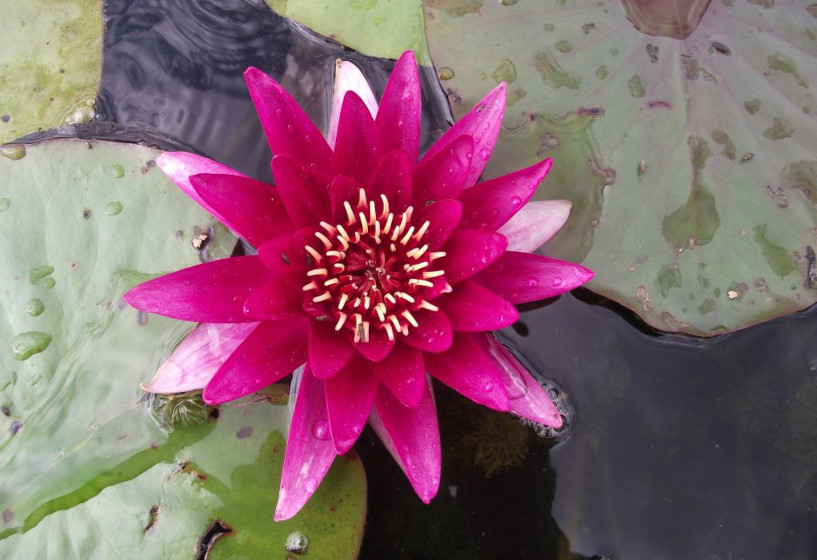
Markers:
{"x": 690, "y": 161}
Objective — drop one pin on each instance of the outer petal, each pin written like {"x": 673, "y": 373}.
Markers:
{"x": 329, "y": 351}
{"x": 356, "y": 149}
{"x": 288, "y": 129}
{"x": 527, "y": 397}
{"x": 482, "y": 123}
{"x": 473, "y": 308}
{"x": 392, "y": 178}
{"x": 309, "y": 450}
{"x": 443, "y": 175}
{"x": 212, "y": 292}
{"x": 349, "y": 398}
{"x": 180, "y": 166}
{"x": 522, "y": 277}
{"x": 195, "y": 361}
{"x": 470, "y": 250}
{"x": 444, "y": 216}
{"x": 433, "y": 332}
{"x": 272, "y": 350}
{"x": 491, "y": 203}
{"x": 403, "y": 372}
{"x": 304, "y": 194}
{"x": 398, "y": 119}
{"x": 534, "y": 224}
{"x": 412, "y": 437}
{"x": 468, "y": 369}
{"x": 348, "y": 78}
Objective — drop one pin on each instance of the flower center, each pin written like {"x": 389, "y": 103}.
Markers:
{"x": 374, "y": 270}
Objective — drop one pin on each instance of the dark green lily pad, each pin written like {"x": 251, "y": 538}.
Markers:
{"x": 690, "y": 162}
{"x": 51, "y": 62}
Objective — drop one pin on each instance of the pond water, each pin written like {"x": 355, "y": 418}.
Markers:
{"x": 677, "y": 448}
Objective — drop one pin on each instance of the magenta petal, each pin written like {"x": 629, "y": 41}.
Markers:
{"x": 356, "y": 150}
{"x": 180, "y": 166}
{"x": 329, "y": 351}
{"x": 288, "y": 129}
{"x": 273, "y": 350}
{"x": 195, "y": 361}
{"x": 470, "y": 307}
{"x": 398, "y": 118}
{"x": 470, "y": 250}
{"x": 403, "y": 372}
{"x": 527, "y": 398}
{"x": 534, "y": 224}
{"x": 304, "y": 194}
{"x": 443, "y": 175}
{"x": 391, "y": 178}
{"x": 482, "y": 123}
{"x": 348, "y": 77}
{"x": 491, "y": 203}
{"x": 251, "y": 209}
{"x": 412, "y": 437}
{"x": 377, "y": 348}
{"x": 468, "y": 369}
{"x": 212, "y": 292}
{"x": 349, "y": 398}
{"x": 443, "y": 218}
{"x": 309, "y": 451}
{"x": 278, "y": 254}
{"x": 522, "y": 277}
{"x": 433, "y": 332}
{"x": 278, "y": 299}
{"x": 343, "y": 189}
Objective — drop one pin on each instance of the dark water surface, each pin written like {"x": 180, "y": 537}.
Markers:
{"x": 680, "y": 448}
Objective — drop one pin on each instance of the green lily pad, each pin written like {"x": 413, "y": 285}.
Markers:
{"x": 51, "y": 64}
{"x": 384, "y": 28}
{"x": 690, "y": 161}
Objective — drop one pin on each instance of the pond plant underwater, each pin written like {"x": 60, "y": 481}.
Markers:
{"x": 679, "y": 447}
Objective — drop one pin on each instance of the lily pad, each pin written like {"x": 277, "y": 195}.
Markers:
{"x": 688, "y": 152}
{"x": 51, "y": 63}
{"x": 384, "y": 28}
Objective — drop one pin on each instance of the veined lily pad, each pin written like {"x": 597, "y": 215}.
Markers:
{"x": 690, "y": 161}
{"x": 376, "y": 28}
{"x": 51, "y": 60}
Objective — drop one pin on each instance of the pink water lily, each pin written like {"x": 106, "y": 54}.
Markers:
{"x": 376, "y": 270}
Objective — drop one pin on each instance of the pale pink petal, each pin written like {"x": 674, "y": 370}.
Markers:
{"x": 443, "y": 175}
{"x": 403, "y": 372}
{"x": 412, "y": 437}
{"x": 468, "y": 369}
{"x": 527, "y": 398}
{"x": 398, "y": 119}
{"x": 329, "y": 351}
{"x": 309, "y": 451}
{"x": 272, "y": 351}
{"x": 349, "y": 398}
{"x": 304, "y": 193}
{"x": 523, "y": 277}
{"x": 357, "y": 150}
{"x": 196, "y": 359}
{"x": 212, "y": 292}
{"x": 534, "y": 224}
{"x": 433, "y": 332}
{"x": 470, "y": 250}
{"x": 473, "y": 308}
{"x": 482, "y": 123}
{"x": 348, "y": 77}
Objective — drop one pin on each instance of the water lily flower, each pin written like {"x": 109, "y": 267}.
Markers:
{"x": 377, "y": 269}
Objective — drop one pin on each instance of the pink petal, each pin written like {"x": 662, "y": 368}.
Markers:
{"x": 212, "y": 292}
{"x": 348, "y": 78}
{"x": 195, "y": 361}
{"x": 377, "y": 348}
{"x": 412, "y": 437}
{"x": 356, "y": 150}
{"x": 272, "y": 351}
{"x": 522, "y": 277}
{"x": 329, "y": 351}
{"x": 443, "y": 218}
{"x": 278, "y": 254}
{"x": 180, "y": 166}
{"x": 468, "y": 369}
{"x": 349, "y": 398}
{"x": 490, "y": 204}
{"x": 398, "y": 119}
{"x": 534, "y": 224}
{"x": 288, "y": 129}
{"x": 309, "y": 451}
{"x": 470, "y": 250}
{"x": 343, "y": 189}
{"x": 279, "y": 299}
{"x": 482, "y": 123}
{"x": 251, "y": 209}
{"x": 403, "y": 372}
{"x": 304, "y": 194}
{"x": 528, "y": 398}
{"x": 470, "y": 307}
{"x": 391, "y": 178}
{"x": 443, "y": 175}
{"x": 433, "y": 332}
